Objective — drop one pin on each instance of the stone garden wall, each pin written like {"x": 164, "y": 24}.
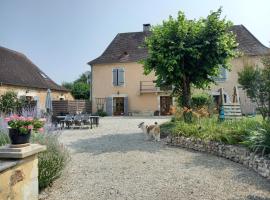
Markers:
{"x": 19, "y": 172}
{"x": 234, "y": 153}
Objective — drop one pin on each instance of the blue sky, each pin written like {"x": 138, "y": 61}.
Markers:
{"x": 61, "y": 36}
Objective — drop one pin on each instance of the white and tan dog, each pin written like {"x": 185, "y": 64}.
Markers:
{"x": 152, "y": 131}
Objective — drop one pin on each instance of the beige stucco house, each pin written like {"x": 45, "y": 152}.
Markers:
{"x": 19, "y": 74}
{"x": 119, "y": 86}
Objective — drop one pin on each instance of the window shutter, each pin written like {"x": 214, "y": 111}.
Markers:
{"x": 109, "y": 106}
{"x": 126, "y": 105}
{"x": 121, "y": 79}
{"x": 115, "y": 77}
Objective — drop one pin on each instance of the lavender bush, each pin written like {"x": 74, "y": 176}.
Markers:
{"x": 51, "y": 162}
{"x": 4, "y": 139}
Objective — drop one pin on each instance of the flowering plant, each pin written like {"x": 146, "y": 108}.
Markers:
{"x": 25, "y": 124}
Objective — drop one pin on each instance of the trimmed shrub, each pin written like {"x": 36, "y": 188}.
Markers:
{"x": 200, "y": 100}
{"x": 101, "y": 113}
{"x": 51, "y": 162}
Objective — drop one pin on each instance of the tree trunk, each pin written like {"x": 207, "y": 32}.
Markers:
{"x": 186, "y": 92}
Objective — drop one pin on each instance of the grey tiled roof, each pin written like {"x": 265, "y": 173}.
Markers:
{"x": 248, "y": 43}
{"x": 127, "y": 47}
{"x": 17, "y": 69}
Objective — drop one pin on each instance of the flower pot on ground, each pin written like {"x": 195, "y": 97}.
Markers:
{"x": 17, "y": 137}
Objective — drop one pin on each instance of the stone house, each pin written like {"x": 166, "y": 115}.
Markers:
{"x": 119, "y": 86}
{"x": 19, "y": 74}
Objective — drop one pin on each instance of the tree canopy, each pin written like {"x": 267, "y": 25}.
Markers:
{"x": 256, "y": 82}
{"x": 10, "y": 103}
{"x": 186, "y": 53}
{"x": 80, "y": 88}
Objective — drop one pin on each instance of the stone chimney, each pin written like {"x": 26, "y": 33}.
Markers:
{"x": 146, "y": 27}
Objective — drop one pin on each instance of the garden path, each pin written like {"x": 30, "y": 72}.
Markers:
{"x": 114, "y": 161}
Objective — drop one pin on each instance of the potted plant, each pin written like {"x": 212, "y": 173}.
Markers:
{"x": 20, "y": 128}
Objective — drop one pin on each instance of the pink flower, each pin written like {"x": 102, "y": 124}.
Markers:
{"x": 22, "y": 118}
{"x": 7, "y": 119}
{"x": 14, "y": 117}
{"x": 30, "y": 127}
{"x": 29, "y": 118}
{"x": 41, "y": 130}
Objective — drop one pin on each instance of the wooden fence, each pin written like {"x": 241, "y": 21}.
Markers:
{"x": 63, "y": 107}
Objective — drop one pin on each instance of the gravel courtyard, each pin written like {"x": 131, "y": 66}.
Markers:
{"x": 114, "y": 161}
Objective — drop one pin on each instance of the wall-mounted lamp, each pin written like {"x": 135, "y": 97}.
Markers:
{"x": 118, "y": 92}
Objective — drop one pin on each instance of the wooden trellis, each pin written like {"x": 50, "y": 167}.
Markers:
{"x": 100, "y": 103}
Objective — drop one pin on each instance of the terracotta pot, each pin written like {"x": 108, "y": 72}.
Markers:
{"x": 16, "y": 137}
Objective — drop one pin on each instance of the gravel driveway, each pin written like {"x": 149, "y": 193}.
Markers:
{"x": 114, "y": 161}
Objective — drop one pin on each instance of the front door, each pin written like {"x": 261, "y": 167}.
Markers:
{"x": 165, "y": 105}
{"x": 118, "y": 106}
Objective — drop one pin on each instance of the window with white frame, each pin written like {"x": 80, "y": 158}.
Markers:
{"x": 118, "y": 76}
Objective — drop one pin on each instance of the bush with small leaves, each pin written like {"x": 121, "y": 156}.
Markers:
{"x": 51, "y": 162}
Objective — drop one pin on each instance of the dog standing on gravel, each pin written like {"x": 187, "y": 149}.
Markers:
{"x": 151, "y": 131}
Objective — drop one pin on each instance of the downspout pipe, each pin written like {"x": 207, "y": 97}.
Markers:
{"x": 91, "y": 87}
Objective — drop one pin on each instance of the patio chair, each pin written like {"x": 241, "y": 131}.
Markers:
{"x": 77, "y": 121}
{"x": 68, "y": 121}
{"x": 86, "y": 120}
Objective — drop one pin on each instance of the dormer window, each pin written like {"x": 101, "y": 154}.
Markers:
{"x": 43, "y": 75}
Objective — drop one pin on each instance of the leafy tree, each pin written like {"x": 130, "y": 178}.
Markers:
{"x": 186, "y": 53}
{"x": 67, "y": 85}
{"x": 10, "y": 103}
{"x": 80, "y": 88}
{"x": 84, "y": 78}
{"x": 256, "y": 82}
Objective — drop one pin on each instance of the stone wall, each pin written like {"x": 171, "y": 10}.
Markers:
{"x": 20, "y": 179}
{"x": 234, "y": 153}
{"x": 19, "y": 172}
{"x": 36, "y": 93}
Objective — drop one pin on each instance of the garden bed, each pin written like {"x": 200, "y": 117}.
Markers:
{"x": 234, "y": 153}
{"x": 244, "y": 141}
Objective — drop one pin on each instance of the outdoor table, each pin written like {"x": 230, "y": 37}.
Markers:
{"x": 95, "y": 120}
{"x": 60, "y": 120}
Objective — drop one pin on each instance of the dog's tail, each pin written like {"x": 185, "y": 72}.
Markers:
{"x": 155, "y": 123}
